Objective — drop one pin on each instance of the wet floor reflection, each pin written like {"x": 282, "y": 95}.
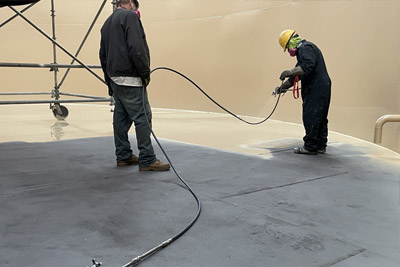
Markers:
{"x": 57, "y": 130}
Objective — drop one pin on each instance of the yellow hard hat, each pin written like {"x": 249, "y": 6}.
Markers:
{"x": 285, "y": 37}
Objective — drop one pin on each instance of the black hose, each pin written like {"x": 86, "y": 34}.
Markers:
{"x": 167, "y": 242}
{"x": 216, "y": 103}
{"x": 164, "y": 244}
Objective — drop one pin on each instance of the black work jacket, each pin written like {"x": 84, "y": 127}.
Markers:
{"x": 316, "y": 79}
{"x": 123, "y": 46}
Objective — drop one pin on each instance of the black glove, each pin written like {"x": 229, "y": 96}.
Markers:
{"x": 145, "y": 80}
{"x": 110, "y": 91}
{"x": 291, "y": 73}
{"x": 284, "y": 74}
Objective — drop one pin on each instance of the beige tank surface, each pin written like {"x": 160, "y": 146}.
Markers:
{"x": 35, "y": 123}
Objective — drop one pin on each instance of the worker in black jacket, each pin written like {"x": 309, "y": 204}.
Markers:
{"x": 315, "y": 90}
{"x": 125, "y": 60}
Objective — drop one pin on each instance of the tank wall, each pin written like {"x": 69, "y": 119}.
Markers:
{"x": 230, "y": 48}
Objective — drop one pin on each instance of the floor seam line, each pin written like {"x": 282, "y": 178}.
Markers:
{"x": 348, "y": 256}
{"x": 284, "y": 185}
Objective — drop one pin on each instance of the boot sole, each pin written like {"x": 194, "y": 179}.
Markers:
{"x": 308, "y": 153}
{"x": 154, "y": 170}
{"x": 304, "y": 152}
{"x": 126, "y": 164}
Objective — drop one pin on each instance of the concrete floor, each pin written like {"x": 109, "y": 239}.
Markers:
{"x": 64, "y": 201}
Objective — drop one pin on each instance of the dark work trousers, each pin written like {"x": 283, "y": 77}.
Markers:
{"x": 129, "y": 109}
{"x": 315, "y": 117}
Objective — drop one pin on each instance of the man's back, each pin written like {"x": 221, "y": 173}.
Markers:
{"x": 123, "y": 48}
{"x": 312, "y": 62}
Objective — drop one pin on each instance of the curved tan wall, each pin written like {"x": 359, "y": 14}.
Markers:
{"x": 230, "y": 48}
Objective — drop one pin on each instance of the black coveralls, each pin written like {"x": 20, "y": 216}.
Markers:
{"x": 316, "y": 95}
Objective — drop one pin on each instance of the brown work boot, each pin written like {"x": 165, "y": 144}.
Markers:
{"x": 134, "y": 160}
{"x": 302, "y": 150}
{"x": 156, "y": 166}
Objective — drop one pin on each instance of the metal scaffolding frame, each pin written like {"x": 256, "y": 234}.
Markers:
{"x": 59, "y": 111}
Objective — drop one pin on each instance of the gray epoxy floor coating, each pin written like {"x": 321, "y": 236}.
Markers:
{"x": 64, "y": 203}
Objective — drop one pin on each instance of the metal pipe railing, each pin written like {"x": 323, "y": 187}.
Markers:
{"x": 55, "y": 93}
{"x": 55, "y": 101}
{"x": 379, "y": 126}
{"x": 26, "y": 93}
{"x": 50, "y": 65}
{"x": 83, "y": 96}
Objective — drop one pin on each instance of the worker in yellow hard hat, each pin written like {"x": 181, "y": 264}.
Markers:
{"x": 315, "y": 90}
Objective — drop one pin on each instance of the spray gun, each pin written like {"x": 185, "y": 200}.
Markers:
{"x": 279, "y": 90}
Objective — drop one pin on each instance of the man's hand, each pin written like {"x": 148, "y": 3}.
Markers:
{"x": 284, "y": 74}
{"x": 108, "y": 83}
{"x": 145, "y": 81}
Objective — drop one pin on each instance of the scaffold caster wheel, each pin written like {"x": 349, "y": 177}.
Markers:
{"x": 60, "y": 112}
